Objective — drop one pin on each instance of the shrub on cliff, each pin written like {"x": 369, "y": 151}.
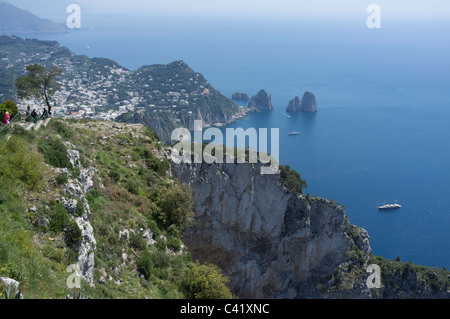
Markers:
{"x": 176, "y": 206}
{"x": 73, "y": 234}
{"x": 145, "y": 264}
{"x": 54, "y": 152}
{"x": 206, "y": 282}
{"x": 59, "y": 218}
{"x": 61, "y": 128}
{"x": 291, "y": 179}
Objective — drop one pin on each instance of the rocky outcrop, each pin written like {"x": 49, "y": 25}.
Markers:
{"x": 273, "y": 243}
{"x": 261, "y": 101}
{"x": 164, "y": 127}
{"x": 11, "y": 285}
{"x": 270, "y": 242}
{"x": 308, "y": 104}
{"x": 240, "y": 96}
{"x": 294, "y": 105}
{"x": 10, "y": 282}
{"x": 79, "y": 187}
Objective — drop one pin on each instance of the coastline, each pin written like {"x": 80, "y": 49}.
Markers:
{"x": 243, "y": 113}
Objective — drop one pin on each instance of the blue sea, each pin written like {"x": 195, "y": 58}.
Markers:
{"x": 382, "y": 130}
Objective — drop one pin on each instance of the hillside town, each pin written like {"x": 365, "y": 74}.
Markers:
{"x": 102, "y": 89}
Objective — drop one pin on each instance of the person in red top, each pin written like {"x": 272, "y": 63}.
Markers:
{"x": 7, "y": 117}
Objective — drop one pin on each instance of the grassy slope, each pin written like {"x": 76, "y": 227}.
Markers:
{"x": 134, "y": 175}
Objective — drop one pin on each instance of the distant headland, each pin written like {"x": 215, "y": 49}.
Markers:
{"x": 14, "y": 20}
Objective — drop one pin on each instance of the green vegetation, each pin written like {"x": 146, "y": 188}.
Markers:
{"x": 20, "y": 166}
{"x": 132, "y": 192}
{"x": 398, "y": 279}
{"x": 39, "y": 83}
{"x": 22, "y": 177}
{"x": 62, "y": 129}
{"x": 9, "y": 106}
{"x": 176, "y": 206}
{"x": 206, "y": 282}
{"x": 54, "y": 152}
{"x": 79, "y": 209}
{"x": 145, "y": 264}
{"x": 291, "y": 179}
{"x": 410, "y": 277}
{"x": 61, "y": 179}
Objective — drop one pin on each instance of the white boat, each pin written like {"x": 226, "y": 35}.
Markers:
{"x": 390, "y": 206}
{"x": 294, "y": 133}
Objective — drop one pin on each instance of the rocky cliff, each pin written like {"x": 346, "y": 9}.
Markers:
{"x": 276, "y": 244}
{"x": 294, "y": 105}
{"x": 307, "y": 104}
{"x": 163, "y": 126}
{"x": 240, "y": 96}
{"x": 261, "y": 101}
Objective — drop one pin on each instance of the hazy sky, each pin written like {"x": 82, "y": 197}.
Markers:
{"x": 405, "y": 9}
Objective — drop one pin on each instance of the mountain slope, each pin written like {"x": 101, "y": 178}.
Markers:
{"x": 14, "y": 20}
{"x": 96, "y": 195}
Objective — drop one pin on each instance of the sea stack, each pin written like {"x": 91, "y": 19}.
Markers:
{"x": 294, "y": 105}
{"x": 308, "y": 104}
{"x": 240, "y": 96}
{"x": 261, "y": 101}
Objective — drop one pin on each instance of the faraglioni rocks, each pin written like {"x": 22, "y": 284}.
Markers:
{"x": 294, "y": 105}
{"x": 308, "y": 104}
{"x": 240, "y": 96}
{"x": 261, "y": 101}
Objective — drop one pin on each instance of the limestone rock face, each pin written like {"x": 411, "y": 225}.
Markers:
{"x": 69, "y": 204}
{"x": 261, "y": 101}
{"x": 271, "y": 243}
{"x": 81, "y": 186}
{"x": 10, "y": 282}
